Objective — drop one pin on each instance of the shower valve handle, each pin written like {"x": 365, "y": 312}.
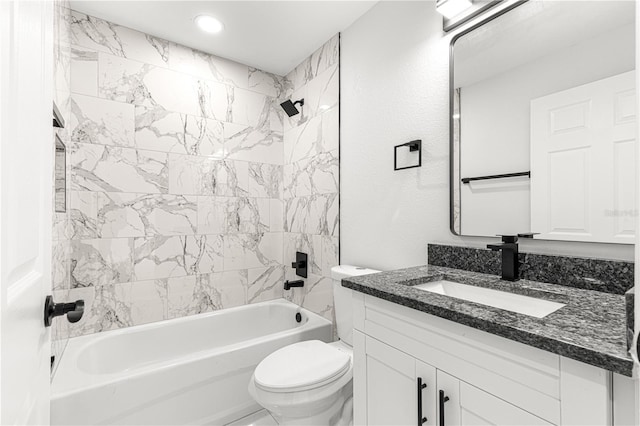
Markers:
{"x": 300, "y": 265}
{"x": 73, "y": 310}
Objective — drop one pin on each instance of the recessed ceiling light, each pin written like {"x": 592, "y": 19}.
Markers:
{"x": 209, "y": 24}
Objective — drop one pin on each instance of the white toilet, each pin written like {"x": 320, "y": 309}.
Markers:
{"x": 310, "y": 382}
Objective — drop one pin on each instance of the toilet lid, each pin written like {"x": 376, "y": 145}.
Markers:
{"x": 301, "y": 366}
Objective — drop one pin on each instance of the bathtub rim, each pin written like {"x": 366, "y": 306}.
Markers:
{"x": 70, "y": 379}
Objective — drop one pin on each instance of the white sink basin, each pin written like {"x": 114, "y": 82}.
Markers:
{"x": 526, "y": 305}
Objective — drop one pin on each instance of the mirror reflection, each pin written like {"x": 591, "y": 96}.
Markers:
{"x": 543, "y": 123}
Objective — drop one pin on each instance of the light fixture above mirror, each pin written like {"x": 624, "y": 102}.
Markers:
{"x": 457, "y": 12}
{"x": 452, "y": 8}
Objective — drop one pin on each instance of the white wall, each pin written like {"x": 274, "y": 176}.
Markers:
{"x": 394, "y": 88}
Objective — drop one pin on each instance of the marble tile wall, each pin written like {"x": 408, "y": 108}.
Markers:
{"x": 311, "y": 176}
{"x": 177, "y": 169}
{"x": 60, "y": 249}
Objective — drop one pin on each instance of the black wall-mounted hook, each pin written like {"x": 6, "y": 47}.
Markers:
{"x": 73, "y": 311}
{"x": 300, "y": 265}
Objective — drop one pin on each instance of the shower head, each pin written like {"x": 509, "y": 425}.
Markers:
{"x": 290, "y": 107}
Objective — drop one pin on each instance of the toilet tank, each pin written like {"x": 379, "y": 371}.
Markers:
{"x": 342, "y": 299}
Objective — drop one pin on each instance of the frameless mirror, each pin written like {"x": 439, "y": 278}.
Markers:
{"x": 543, "y": 123}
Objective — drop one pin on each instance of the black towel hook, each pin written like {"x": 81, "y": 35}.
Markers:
{"x": 73, "y": 311}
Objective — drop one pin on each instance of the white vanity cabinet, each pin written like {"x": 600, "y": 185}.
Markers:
{"x": 467, "y": 405}
{"x": 485, "y": 378}
{"x": 396, "y": 384}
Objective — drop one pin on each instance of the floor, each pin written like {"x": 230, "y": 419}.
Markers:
{"x": 261, "y": 418}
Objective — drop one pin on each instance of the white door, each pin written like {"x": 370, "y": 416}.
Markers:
{"x": 26, "y": 208}
{"x": 583, "y": 155}
{"x": 392, "y": 387}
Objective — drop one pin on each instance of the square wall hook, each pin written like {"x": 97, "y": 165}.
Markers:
{"x": 414, "y": 146}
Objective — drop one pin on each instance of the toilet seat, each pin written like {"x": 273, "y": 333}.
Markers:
{"x": 301, "y": 366}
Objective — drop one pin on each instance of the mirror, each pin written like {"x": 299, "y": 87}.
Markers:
{"x": 542, "y": 102}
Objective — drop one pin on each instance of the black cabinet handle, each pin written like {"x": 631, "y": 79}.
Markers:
{"x": 443, "y": 399}
{"x": 421, "y": 386}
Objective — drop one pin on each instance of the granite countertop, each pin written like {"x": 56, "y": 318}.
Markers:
{"x": 591, "y": 327}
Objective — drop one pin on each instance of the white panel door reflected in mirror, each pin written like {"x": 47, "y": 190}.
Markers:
{"x": 583, "y": 162}
{"x": 546, "y": 88}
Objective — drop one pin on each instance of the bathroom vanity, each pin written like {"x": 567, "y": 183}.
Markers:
{"x": 424, "y": 355}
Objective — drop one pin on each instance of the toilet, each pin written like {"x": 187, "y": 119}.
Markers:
{"x": 311, "y": 382}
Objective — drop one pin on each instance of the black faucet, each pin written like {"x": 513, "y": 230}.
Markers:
{"x": 295, "y": 283}
{"x": 510, "y": 262}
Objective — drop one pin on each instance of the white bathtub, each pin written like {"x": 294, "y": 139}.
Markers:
{"x": 192, "y": 370}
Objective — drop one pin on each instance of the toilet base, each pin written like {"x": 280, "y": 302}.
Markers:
{"x": 340, "y": 413}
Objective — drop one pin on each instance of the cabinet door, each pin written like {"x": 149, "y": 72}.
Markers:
{"x": 480, "y": 408}
{"x": 393, "y": 390}
{"x": 466, "y": 405}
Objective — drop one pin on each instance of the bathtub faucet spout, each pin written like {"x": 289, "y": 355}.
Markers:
{"x": 297, "y": 283}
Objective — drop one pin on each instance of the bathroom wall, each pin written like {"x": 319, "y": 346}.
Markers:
{"x": 60, "y": 250}
{"x": 394, "y": 93}
{"x": 177, "y": 162}
{"x": 311, "y": 180}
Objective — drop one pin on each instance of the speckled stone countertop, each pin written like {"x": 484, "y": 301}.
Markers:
{"x": 591, "y": 327}
{"x": 629, "y": 297}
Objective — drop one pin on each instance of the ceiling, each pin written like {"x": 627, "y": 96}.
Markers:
{"x": 273, "y": 36}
